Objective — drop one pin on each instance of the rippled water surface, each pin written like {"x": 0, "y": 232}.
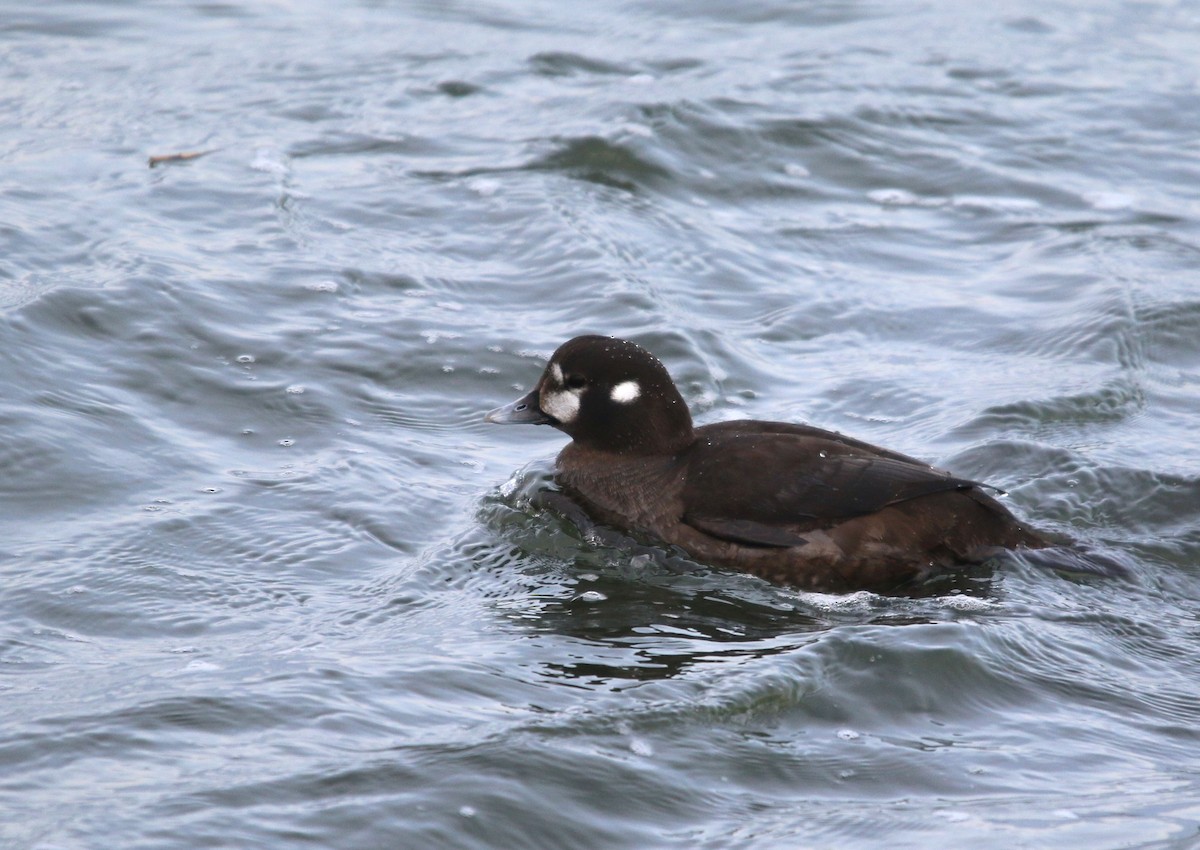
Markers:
{"x": 269, "y": 581}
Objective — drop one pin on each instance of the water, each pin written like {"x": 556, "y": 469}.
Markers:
{"x": 269, "y": 581}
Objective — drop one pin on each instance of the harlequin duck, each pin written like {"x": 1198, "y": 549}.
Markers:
{"x": 793, "y": 504}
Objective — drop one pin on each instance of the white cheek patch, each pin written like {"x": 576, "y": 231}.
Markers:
{"x": 563, "y": 405}
{"x": 625, "y": 392}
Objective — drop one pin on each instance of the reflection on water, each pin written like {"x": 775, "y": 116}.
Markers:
{"x": 269, "y": 580}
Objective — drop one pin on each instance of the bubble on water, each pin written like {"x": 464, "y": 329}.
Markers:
{"x": 287, "y": 441}
{"x": 270, "y": 161}
{"x": 322, "y": 286}
{"x": 1109, "y": 200}
{"x": 848, "y": 735}
{"x": 202, "y": 666}
{"x": 433, "y": 337}
{"x": 467, "y": 811}
{"x": 641, "y": 748}
{"x": 592, "y": 596}
{"x": 485, "y": 187}
{"x": 245, "y": 358}
{"x": 210, "y": 490}
{"x": 996, "y": 204}
{"x": 893, "y": 197}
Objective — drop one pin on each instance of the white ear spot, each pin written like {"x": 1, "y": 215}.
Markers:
{"x": 556, "y": 373}
{"x": 625, "y": 392}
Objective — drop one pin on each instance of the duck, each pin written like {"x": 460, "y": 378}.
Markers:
{"x": 793, "y": 504}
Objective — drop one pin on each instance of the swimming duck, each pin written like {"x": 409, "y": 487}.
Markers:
{"x": 793, "y": 504}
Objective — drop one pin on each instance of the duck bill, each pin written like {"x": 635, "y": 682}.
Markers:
{"x": 523, "y": 411}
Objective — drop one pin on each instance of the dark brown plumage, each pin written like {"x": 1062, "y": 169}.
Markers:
{"x": 790, "y": 503}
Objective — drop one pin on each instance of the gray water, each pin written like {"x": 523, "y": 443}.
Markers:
{"x": 269, "y": 581}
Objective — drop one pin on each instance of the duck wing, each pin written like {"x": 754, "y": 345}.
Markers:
{"x": 767, "y": 486}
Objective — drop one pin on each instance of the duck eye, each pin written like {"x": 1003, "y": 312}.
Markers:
{"x": 574, "y": 382}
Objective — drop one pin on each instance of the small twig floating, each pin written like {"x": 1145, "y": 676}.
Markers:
{"x": 179, "y": 157}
